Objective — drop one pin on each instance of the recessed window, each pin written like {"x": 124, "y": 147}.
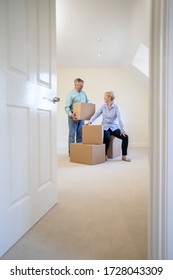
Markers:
{"x": 141, "y": 60}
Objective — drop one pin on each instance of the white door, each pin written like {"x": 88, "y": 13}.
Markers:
{"x": 28, "y": 180}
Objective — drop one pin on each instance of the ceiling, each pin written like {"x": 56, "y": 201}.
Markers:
{"x": 102, "y": 33}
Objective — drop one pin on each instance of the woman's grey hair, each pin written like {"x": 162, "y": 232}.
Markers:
{"x": 78, "y": 80}
{"x": 111, "y": 94}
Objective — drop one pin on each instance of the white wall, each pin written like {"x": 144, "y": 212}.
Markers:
{"x": 130, "y": 95}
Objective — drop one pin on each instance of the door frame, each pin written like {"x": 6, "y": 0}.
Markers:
{"x": 160, "y": 226}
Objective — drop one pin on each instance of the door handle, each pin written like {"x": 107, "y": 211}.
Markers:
{"x": 54, "y": 100}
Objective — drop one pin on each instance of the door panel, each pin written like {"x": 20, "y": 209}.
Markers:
{"x": 19, "y": 169}
{"x": 45, "y": 147}
{"x": 28, "y": 121}
{"x": 17, "y": 33}
{"x": 44, "y": 48}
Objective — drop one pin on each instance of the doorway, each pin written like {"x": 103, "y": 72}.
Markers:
{"x": 100, "y": 74}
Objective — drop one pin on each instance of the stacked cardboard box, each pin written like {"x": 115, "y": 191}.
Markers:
{"x": 87, "y": 153}
{"x": 92, "y": 134}
{"x": 92, "y": 150}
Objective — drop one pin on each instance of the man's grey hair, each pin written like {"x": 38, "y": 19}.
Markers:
{"x": 78, "y": 80}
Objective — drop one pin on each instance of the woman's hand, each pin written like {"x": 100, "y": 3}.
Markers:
{"x": 88, "y": 123}
{"x": 124, "y": 134}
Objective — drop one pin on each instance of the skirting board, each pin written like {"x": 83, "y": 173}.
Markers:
{"x": 131, "y": 145}
{"x": 138, "y": 145}
{"x": 62, "y": 146}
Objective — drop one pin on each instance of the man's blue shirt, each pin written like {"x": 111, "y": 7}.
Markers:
{"x": 73, "y": 97}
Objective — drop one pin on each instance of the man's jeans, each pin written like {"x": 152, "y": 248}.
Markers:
{"x": 75, "y": 131}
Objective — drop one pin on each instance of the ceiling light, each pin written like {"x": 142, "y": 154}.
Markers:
{"x": 99, "y": 53}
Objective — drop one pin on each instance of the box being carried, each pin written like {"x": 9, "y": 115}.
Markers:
{"x": 83, "y": 111}
{"x": 87, "y": 154}
{"x": 92, "y": 134}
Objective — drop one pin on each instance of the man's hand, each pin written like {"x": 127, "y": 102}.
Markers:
{"x": 73, "y": 115}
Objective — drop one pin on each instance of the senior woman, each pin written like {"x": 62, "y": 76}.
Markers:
{"x": 113, "y": 123}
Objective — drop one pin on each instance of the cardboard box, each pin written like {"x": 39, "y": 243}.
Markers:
{"x": 92, "y": 134}
{"x": 114, "y": 149}
{"x": 87, "y": 154}
{"x": 84, "y": 111}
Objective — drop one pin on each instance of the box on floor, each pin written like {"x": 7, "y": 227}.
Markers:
{"x": 114, "y": 149}
{"x": 87, "y": 153}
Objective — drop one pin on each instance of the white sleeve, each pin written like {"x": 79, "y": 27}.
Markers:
{"x": 120, "y": 119}
{"x": 96, "y": 115}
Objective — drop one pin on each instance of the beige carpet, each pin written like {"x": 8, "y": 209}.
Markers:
{"x": 101, "y": 214}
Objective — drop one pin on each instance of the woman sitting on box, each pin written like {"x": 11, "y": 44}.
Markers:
{"x": 112, "y": 123}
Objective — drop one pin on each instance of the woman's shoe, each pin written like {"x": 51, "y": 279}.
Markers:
{"x": 125, "y": 158}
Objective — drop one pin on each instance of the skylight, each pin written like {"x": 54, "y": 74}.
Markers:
{"x": 141, "y": 60}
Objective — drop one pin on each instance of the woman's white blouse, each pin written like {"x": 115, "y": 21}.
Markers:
{"x": 111, "y": 117}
